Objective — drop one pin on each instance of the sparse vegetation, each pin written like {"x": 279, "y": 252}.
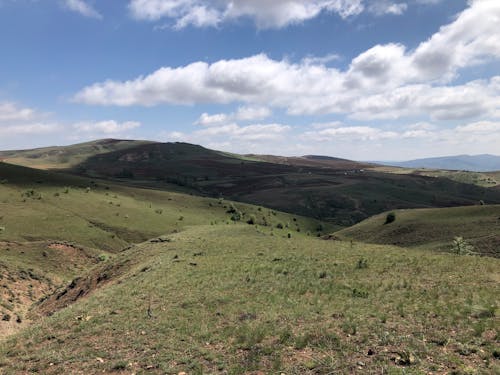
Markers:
{"x": 192, "y": 290}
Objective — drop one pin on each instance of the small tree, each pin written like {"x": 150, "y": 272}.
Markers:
{"x": 390, "y": 218}
{"x": 462, "y": 247}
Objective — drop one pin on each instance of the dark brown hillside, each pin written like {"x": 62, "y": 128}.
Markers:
{"x": 337, "y": 190}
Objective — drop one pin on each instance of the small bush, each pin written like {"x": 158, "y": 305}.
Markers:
{"x": 279, "y": 225}
{"x": 252, "y": 220}
{"x": 159, "y": 211}
{"x": 362, "y": 264}
{"x": 461, "y": 247}
{"x": 236, "y": 216}
{"x": 390, "y": 218}
{"x": 102, "y": 257}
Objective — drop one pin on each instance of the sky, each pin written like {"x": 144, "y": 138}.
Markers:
{"x": 358, "y": 79}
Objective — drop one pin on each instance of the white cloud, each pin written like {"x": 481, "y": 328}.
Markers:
{"x": 242, "y": 114}
{"x": 29, "y": 129}
{"x": 384, "y": 82}
{"x": 233, "y": 132}
{"x": 349, "y": 132}
{"x": 265, "y": 13}
{"x": 106, "y": 127}
{"x": 481, "y": 127}
{"x": 82, "y": 7}
{"x": 12, "y": 112}
{"x": 382, "y": 7}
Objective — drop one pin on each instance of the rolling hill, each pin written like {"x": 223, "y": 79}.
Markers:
{"x": 475, "y": 163}
{"x": 208, "y": 302}
{"x": 433, "y": 228}
{"x": 54, "y": 226}
{"x": 336, "y": 190}
{"x": 101, "y": 275}
{"x": 60, "y": 157}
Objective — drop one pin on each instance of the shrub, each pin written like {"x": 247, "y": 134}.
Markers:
{"x": 232, "y": 209}
{"x": 362, "y": 264}
{"x": 159, "y": 211}
{"x": 460, "y": 246}
{"x": 390, "y": 218}
{"x": 252, "y": 220}
{"x": 279, "y": 225}
{"x": 236, "y": 216}
{"x": 102, "y": 257}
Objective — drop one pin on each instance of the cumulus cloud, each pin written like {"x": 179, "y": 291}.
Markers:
{"x": 383, "y": 7}
{"x": 234, "y": 137}
{"x": 82, "y": 7}
{"x": 12, "y": 112}
{"x": 266, "y": 14}
{"x": 365, "y": 133}
{"x": 29, "y": 129}
{"x": 242, "y": 114}
{"x": 106, "y": 127}
{"x": 387, "y": 81}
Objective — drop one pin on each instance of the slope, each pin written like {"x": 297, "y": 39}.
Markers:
{"x": 433, "y": 228}
{"x": 476, "y": 163}
{"x": 54, "y": 227}
{"x": 236, "y": 300}
{"x": 65, "y": 156}
{"x": 326, "y": 191}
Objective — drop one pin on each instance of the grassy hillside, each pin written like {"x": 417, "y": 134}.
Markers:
{"x": 54, "y": 226}
{"x": 331, "y": 189}
{"x": 433, "y": 228}
{"x": 233, "y": 300}
{"x": 326, "y": 191}
{"x": 39, "y": 205}
{"x": 65, "y": 156}
{"x": 484, "y": 179}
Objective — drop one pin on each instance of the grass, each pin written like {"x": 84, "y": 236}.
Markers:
{"x": 483, "y": 179}
{"x": 66, "y": 156}
{"x": 210, "y": 301}
{"x": 107, "y": 216}
{"x": 339, "y": 191}
{"x": 97, "y": 276}
{"x": 433, "y": 229}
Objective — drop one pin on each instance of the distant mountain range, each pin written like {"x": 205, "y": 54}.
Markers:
{"x": 475, "y": 163}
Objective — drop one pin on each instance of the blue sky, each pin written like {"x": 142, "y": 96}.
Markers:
{"x": 361, "y": 79}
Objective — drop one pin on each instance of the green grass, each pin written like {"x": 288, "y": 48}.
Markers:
{"x": 335, "y": 190}
{"x": 218, "y": 299}
{"x": 433, "y": 228}
{"x": 483, "y": 179}
{"x": 57, "y": 226}
{"x": 66, "y": 156}
{"x": 106, "y": 216}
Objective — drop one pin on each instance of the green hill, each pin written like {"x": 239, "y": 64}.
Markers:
{"x": 54, "y": 226}
{"x": 433, "y": 228}
{"x": 234, "y": 300}
{"x": 61, "y": 157}
{"x": 327, "y": 189}
{"x": 339, "y": 191}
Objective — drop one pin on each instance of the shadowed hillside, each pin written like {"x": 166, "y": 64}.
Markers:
{"x": 65, "y": 156}
{"x": 324, "y": 189}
